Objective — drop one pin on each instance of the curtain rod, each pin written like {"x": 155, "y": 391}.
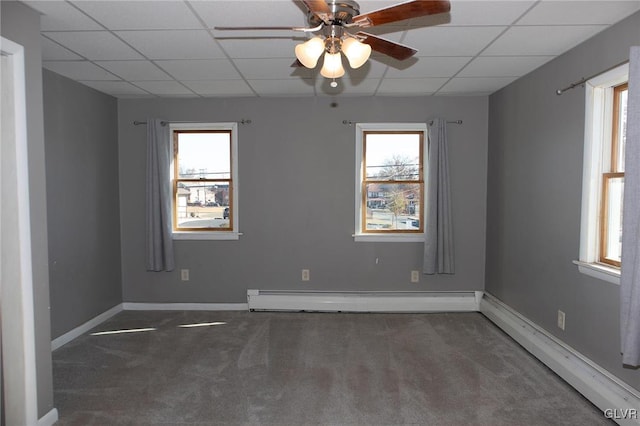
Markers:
{"x": 583, "y": 80}
{"x": 164, "y": 123}
{"x": 349, "y": 122}
{"x": 448, "y": 122}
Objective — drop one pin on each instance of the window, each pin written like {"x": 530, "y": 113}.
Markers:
{"x": 613, "y": 183}
{"x": 204, "y": 181}
{"x": 390, "y": 184}
{"x": 603, "y": 178}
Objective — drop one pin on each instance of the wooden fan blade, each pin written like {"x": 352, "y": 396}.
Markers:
{"x": 390, "y": 48}
{"x": 320, "y": 8}
{"x": 297, "y": 64}
{"x": 399, "y": 12}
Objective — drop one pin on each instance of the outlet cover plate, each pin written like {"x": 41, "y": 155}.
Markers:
{"x": 561, "y": 318}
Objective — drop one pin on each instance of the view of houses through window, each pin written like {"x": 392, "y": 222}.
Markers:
{"x": 393, "y": 181}
{"x": 202, "y": 181}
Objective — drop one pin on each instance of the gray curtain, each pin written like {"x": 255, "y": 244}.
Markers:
{"x": 630, "y": 278}
{"x": 438, "y": 244}
{"x": 158, "y": 206}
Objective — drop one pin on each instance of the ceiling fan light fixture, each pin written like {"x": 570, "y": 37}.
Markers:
{"x": 332, "y": 67}
{"x": 309, "y": 52}
{"x": 357, "y": 53}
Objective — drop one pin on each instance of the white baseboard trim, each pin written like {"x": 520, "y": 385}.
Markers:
{"x": 363, "y": 301}
{"x": 128, "y": 306}
{"x": 615, "y": 398}
{"x": 80, "y": 330}
{"x": 49, "y": 419}
{"x": 134, "y": 306}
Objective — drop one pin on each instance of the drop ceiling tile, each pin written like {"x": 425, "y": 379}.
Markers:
{"x": 202, "y": 69}
{"x": 371, "y": 69}
{"x": 277, "y": 69}
{"x": 451, "y": 41}
{"x": 131, "y": 15}
{"x": 476, "y": 13}
{"x": 220, "y": 87}
{"x": 347, "y": 87}
{"x": 389, "y": 32}
{"x": 290, "y": 87}
{"x": 94, "y": 45}
{"x": 444, "y": 41}
{"x": 164, "y": 88}
{"x": 541, "y": 40}
{"x": 61, "y": 16}
{"x": 410, "y": 86}
{"x": 135, "y": 70}
{"x": 79, "y": 70}
{"x": 430, "y": 66}
{"x": 173, "y": 44}
{"x": 52, "y": 51}
{"x": 579, "y": 12}
{"x": 115, "y": 88}
{"x": 478, "y": 85}
{"x": 259, "y": 47}
{"x": 259, "y": 34}
{"x": 373, "y": 5}
{"x": 503, "y": 66}
{"x": 251, "y": 13}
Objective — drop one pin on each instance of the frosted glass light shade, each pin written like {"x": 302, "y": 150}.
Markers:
{"x": 309, "y": 52}
{"x": 356, "y": 52}
{"x": 332, "y": 67}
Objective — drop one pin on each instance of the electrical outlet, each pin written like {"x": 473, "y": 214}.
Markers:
{"x": 184, "y": 274}
{"x": 305, "y": 275}
{"x": 561, "y": 319}
{"x": 415, "y": 276}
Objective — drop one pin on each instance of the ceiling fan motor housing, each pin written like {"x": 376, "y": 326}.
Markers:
{"x": 343, "y": 12}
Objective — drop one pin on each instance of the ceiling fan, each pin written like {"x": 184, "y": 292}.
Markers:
{"x": 338, "y": 24}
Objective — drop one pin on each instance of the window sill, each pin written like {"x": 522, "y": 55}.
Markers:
{"x": 377, "y": 238}
{"x": 596, "y": 270}
{"x": 206, "y": 235}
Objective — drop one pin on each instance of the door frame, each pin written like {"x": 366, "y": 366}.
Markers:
{"x": 20, "y": 398}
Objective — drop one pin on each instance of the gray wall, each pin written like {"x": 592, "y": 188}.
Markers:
{"x": 21, "y": 25}
{"x": 296, "y": 173}
{"x": 81, "y": 140}
{"x": 535, "y": 186}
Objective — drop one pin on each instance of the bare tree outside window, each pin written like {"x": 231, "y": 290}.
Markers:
{"x": 393, "y": 183}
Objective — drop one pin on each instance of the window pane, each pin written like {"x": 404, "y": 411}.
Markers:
{"x": 392, "y": 156}
{"x": 202, "y": 205}
{"x": 622, "y": 129}
{"x": 204, "y": 155}
{"x": 392, "y": 206}
{"x": 613, "y": 237}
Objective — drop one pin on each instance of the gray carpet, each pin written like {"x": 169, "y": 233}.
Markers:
{"x": 308, "y": 368}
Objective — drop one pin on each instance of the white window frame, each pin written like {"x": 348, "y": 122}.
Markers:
{"x": 598, "y": 114}
{"x": 361, "y": 128}
{"x": 212, "y": 235}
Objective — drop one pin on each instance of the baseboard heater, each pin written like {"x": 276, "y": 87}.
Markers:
{"x": 363, "y": 301}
